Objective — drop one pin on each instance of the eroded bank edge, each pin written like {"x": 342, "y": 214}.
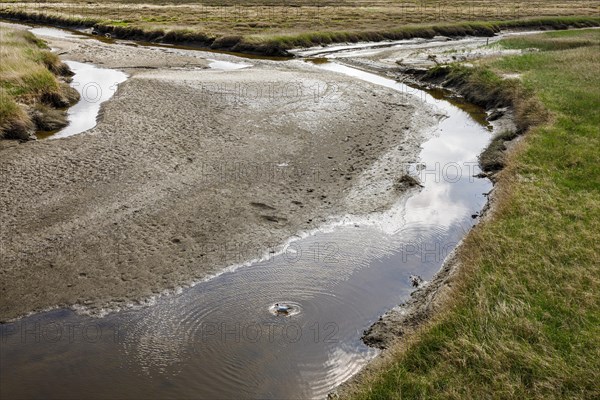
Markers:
{"x": 506, "y": 107}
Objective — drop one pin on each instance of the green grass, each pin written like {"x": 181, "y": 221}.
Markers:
{"x": 28, "y": 77}
{"x": 561, "y": 40}
{"x": 524, "y": 322}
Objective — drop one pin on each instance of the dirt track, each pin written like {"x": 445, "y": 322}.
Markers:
{"x": 189, "y": 170}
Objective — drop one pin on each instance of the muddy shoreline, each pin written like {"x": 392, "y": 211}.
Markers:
{"x": 186, "y": 174}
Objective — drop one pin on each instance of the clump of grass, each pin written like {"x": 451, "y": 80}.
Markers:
{"x": 226, "y": 42}
{"x": 524, "y": 319}
{"x": 188, "y": 36}
{"x": 477, "y": 85}
{"x": 28, "y": 78}
{"x": 15, "y": 123}
{"x": 49, "y": 18}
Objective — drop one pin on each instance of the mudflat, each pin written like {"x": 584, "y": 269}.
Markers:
{"x": 190, "y": 170}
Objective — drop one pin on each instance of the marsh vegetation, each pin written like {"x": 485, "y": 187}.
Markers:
{"x": 272, "y": 27}
{"x": 33, "y": 87}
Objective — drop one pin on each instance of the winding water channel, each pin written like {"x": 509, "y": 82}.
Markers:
{"x": 220, "y": 338}
{"x": 94, "y": 85}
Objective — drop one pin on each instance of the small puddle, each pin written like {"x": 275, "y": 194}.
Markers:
{"x": 95, "y": 86}
{"x": 65, "y": 33}
{"x": 225, "y": 338}
{"x": 56, "y": 33}
{"x": 227, "y": 65}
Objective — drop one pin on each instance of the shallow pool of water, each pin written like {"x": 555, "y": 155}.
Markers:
{"x": 54, "y": 32}
{"x": 227, "y": 65}
{"x": 95, "y": 86}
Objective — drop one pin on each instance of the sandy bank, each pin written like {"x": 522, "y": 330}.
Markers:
{"x": 188, "y": 170}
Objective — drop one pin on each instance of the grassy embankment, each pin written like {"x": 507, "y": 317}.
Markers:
{"x": 32, "y": 97}
{"x": 271, "y": 26}
{"x": 524, "y": 319}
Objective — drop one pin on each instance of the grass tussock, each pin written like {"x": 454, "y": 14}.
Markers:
{"x": 29, "y": 87}
{"x": 524, "y": 322}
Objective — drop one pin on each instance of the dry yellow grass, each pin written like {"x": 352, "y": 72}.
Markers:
{"x": 28, "y": 79}
{"x": 272, "y": 26}
{"x": 227, "y": 17}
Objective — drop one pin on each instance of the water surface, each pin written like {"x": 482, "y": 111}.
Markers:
{"x": 95, "y": 86}
{"x": 227, "y": 65}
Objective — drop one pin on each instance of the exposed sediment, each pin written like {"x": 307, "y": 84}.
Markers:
{"x": 189, "y": 170}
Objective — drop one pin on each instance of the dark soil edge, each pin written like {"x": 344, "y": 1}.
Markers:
{"x": 499, "y": 101}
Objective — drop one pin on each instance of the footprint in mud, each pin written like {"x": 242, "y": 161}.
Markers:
{"x": 270, "y": 218}
{"x": 262, "y": 206}
{"x": 273, "y": 218}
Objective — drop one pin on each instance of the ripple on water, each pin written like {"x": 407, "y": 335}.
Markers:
{"x": 229, "y": 323}
{"x": 285, "y": 308}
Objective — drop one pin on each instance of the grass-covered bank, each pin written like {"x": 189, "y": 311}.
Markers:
{"x": 274, "y": 37}
{"x": 482, "y": 86}
{"x": 33, "y": 91}
{"x": 524, "y": 316}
